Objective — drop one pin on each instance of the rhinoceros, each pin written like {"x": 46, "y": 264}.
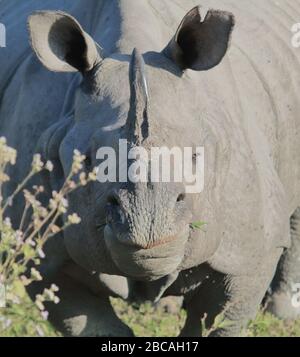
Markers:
{"x": 223, "y": 76}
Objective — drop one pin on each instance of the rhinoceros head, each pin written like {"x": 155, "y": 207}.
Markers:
{"x": 139, "y": 229}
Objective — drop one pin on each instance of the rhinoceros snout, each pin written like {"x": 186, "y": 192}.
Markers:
{"x": 134, "y": 228}
{"x": 147, "y": 229}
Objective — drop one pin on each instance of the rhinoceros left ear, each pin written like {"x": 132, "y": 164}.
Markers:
{"x": 201, "y": 45}
{"x": 60, "y": 42}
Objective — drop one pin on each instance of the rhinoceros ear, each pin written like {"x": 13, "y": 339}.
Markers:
{"x": 201, "y": 45}
{"x": 60, "y": 42}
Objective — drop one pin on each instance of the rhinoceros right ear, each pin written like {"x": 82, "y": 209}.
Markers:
{"x": 60, "y": 42}
{"x": 201, "y": 45}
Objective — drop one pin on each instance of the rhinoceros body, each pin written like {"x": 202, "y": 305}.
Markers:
{"x": 243, "y": 109}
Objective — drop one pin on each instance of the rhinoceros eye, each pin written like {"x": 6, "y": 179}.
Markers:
{"x": 181, "y": 197}
{"x": 113, "y": 201}
{"x": 114, "y": 213}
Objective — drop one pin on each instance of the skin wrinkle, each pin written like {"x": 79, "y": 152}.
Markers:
{"x": 279, "y": 18}
{"x": 10, "y": 75}
{"x": 285, "y": 149}
{"x": 266, "y": 88}
{"x": 294, "y": 9}
{"x": 292, "y": 79}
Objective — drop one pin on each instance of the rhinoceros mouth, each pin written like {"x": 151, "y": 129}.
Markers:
{"x": 144, "y": 264}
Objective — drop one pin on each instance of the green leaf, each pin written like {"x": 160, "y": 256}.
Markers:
{"x": 198, "y": 225}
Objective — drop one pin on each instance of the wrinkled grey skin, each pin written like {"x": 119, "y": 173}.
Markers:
{"x": 238, "y": 100}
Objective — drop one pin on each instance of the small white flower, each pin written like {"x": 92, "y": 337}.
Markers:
{"x": 7, "y": 222}
{"x": 39, "y": 302}
{"x": 54, "y": 288}
{"x": 82, "y": 179}
{"x": 72, "y": 184}
{"x": 37, "y": 164}
{"x": 77, "y": 162}
{"x": 49, "y": 294}
{"x": 35, "y": 274}
{"x": 25, "y": 281}
{"x": 38, "y": 189}
{"x": 93, "y": 175}
{"x": 74, "y": 219}
{"x": 52, "y": 204}
{"x": 62, "y": 209}
{"x": 56, "y": 300}
{"x": 49, "y": 166}
{"x": 19, "y": 237}
{"x": 30, "y": 242}
{"x": 41, "y": 253}
{"x": 64, "y": 202}
{"x": 45, "y": 315}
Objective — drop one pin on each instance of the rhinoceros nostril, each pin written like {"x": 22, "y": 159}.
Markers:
{"x": 114, "y": 210}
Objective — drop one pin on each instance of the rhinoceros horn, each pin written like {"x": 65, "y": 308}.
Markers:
{"x": 137, "y": 125}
